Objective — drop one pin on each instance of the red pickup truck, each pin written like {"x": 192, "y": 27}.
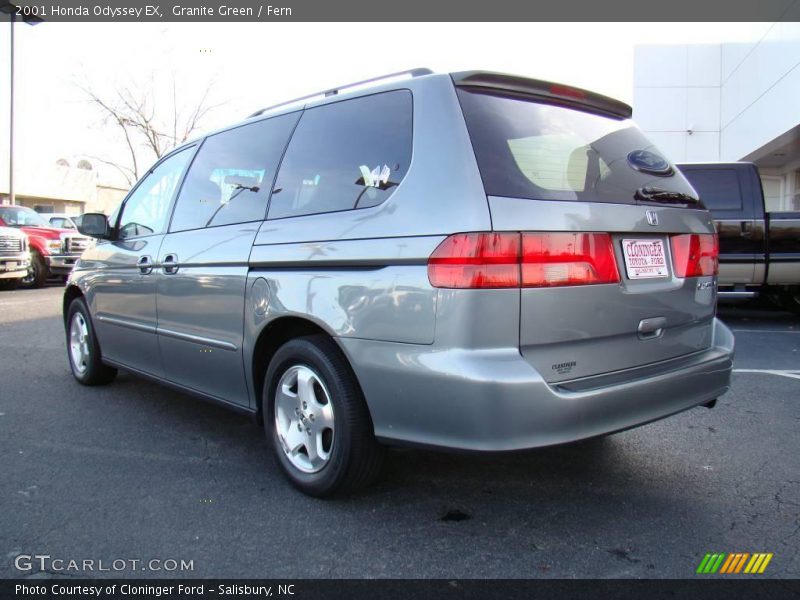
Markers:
{"x": 54, "y": 251}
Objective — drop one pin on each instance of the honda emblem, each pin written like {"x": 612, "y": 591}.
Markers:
{"x": 652, "y": 217}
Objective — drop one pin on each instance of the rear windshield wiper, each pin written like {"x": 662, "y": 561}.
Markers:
{"x": 653, "y": 194}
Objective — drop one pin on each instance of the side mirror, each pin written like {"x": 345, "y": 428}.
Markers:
{"x": 94, "y": 225}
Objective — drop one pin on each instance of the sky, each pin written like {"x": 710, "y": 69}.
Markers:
{"x": 253, "y": 65}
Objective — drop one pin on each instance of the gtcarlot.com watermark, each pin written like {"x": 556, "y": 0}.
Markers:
{"x": 27, "y": 563}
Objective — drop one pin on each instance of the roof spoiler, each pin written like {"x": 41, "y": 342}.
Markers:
{"x": 546, "y": 90}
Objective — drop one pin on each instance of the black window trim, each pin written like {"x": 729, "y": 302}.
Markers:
{"x": 344, "y": 210}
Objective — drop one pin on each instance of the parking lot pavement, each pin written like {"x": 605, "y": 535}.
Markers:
{"x": 135, "y": 471}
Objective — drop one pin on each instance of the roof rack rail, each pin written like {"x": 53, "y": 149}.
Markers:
{"x": 334, "y": 91}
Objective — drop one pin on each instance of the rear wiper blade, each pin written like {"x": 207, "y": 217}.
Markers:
{"x": 653, "y": 194}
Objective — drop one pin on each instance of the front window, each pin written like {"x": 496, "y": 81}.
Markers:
{"x": 21, "y": 216}
{"x": 145, "y": 210}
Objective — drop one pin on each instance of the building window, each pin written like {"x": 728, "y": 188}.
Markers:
{"x": 773, "y": 193}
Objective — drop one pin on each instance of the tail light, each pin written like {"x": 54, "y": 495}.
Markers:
{"x": 476, "y": 260}
{"x": 695, "y": 255}
{"x": 508, "y": 260}
{"x": 557, "y": 259}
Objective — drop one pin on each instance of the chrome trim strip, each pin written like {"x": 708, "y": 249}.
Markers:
{"x": 733, "y": 294}
{"x": 735, "y": 220}
{"x": 126, "y": 323}
{"x": 785, "y": 257}
{"x": 197, "y": 339}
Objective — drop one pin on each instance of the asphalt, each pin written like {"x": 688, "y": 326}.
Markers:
{"x": 134, "y": 471}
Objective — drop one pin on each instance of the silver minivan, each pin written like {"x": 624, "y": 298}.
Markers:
{"x": 470, "y": 261}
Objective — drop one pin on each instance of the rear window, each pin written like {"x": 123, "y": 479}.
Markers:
{"x": 528, "y": 149}
{"x": 718, "y": 189}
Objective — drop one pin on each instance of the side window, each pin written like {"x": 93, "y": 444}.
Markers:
{"x": 145, "y": 211}
{"x": 346, "y": 155}
{"x": 231, "y": 176}
{"x": 61, "y": 222}
{"x": 718, "y": 188}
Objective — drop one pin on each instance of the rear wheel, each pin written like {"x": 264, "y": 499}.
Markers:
{"x": 37, "y": 272}
{"x": 317, "y": 420}
{"x": 82, "y": 347}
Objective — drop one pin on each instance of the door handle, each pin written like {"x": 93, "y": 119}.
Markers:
{"x": 747, "y": 229}
{"x": 651, "y": 328}
{"x": 170, "y": 264}
{"x": 145, "y": 265}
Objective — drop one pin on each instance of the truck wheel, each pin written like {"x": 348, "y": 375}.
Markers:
{"x": 791, "y": 299}
{"x": 9, "y": 284}
{"x": 317, "y": 420}
{"x": 83, "y": 350}
{"x": 37, "y": 272}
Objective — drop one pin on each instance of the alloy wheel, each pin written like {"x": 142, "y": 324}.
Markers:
{"x": 304, "y": 419}
{"x": 79, "y": 343}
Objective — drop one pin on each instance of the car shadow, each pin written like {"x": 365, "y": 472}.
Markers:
{"x": 755, "y": 311}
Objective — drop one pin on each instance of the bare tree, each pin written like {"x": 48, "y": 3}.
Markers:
{"x": 149, "y": 127}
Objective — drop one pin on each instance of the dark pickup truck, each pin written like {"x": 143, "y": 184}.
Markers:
{"x": 759, "y": 250}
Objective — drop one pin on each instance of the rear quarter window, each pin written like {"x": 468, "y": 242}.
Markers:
{"x": 344, "y": 156}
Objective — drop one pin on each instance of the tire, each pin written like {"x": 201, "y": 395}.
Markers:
{"x": 9, "y": 284}
{"x": 37, "y": 273}
{"x": 791, "y": 299}
{"x": 325, "y": 461}
{"x": 83, "y": 351}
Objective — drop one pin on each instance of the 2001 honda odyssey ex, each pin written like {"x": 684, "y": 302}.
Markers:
{"x": 468, "y": 261}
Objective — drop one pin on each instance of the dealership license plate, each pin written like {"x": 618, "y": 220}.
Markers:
{"x": 645, "y": 259}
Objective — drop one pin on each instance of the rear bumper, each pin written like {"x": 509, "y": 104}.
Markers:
{"x": 493, "y": 400}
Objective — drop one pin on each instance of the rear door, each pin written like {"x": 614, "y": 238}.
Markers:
{"x": 737, "y": 210}
{"x": 601, "y": 214}
{"x": 203, "y": 262}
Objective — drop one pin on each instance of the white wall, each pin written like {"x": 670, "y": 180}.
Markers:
{"x": 727, "y": 102}
{"x": 735, "y": 97}
{"x": 761, "y": 91}
{"x": 677, "y": 90}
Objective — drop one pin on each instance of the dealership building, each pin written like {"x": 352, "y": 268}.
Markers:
{"x": 728, "y": 102}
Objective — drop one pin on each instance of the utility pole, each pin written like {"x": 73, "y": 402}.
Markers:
{"x": 8, "y": 8}
{"x": 11, "y": 198}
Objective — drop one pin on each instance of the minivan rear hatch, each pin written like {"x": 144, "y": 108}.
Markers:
{"x": 590, "y": 194}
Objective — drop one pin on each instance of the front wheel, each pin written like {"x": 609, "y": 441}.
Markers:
{"x": 37, "y": 272}
{"x": 317, "y": 420}
{"x": 83, "y": 350}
